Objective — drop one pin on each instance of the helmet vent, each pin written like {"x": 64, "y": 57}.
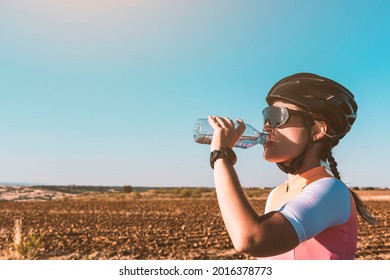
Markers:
{"x": 321, "y": 95}
{"x": 309, "y": 96}
{"x": 330, "y": 97}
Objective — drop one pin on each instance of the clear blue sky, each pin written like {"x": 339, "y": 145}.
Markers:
{"x": 100, "y": 92}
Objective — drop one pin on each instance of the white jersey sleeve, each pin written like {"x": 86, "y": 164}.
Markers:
{"x": 321, "y": 204}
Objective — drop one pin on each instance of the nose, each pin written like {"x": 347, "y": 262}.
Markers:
{"x": 267, "y": 128}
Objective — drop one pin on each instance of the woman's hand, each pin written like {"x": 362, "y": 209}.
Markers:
{"x": 225, "y": 134}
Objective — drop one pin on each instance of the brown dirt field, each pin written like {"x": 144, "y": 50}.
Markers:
{"x": 147, "y": 226}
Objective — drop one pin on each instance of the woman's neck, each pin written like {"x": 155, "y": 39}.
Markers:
{"x": 310, "y": 161}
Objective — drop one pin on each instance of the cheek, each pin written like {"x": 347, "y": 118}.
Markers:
{"x": 295, "y": 135}
{"x": 288, "y": 143}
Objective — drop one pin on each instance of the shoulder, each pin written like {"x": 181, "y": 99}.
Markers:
{"x": 328, "y": 196}
{"x": 329, "y": 187}
{"x": 321, "y": 204}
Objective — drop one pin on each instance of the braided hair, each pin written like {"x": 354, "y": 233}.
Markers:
{"x": 329, "y": 161}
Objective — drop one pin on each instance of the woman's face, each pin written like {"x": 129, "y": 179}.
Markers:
{"x": 287, "y": 141}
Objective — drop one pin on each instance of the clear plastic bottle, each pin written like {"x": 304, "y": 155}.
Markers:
{"x": 203, "y": 134}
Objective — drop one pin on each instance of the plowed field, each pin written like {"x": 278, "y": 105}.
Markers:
{"x": 144, "y": 227}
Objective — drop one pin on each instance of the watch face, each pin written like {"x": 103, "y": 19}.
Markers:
{"x": 230, "y": 156}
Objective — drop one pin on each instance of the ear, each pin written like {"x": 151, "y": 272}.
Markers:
{"x": 318, "y": 131}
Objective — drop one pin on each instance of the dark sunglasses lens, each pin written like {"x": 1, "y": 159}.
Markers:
{"x": 276, "y": 116}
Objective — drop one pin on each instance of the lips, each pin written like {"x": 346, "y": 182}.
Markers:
{"x": 268, "y": 143}
{"x": 270, "y": 138}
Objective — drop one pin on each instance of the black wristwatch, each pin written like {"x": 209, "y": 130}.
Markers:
{"x": 225, "y": 153}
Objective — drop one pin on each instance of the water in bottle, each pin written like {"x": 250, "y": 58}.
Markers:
{"x": 203, "y": 134}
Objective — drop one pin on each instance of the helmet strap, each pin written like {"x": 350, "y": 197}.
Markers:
{"x": 294, "y": 165}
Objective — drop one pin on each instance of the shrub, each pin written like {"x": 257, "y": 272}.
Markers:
{"x": 127, "y": 189}
{"x": 185, "y": 192}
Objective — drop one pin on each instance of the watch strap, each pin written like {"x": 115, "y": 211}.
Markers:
{"x": 225, "y": 153}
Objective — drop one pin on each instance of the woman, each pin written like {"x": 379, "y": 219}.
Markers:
{"x": 312, "y": 215}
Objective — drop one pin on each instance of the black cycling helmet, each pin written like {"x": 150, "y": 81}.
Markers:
{"x": 325, "y": 98}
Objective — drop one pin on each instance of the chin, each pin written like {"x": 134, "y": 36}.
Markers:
{"x": 273, "y": 157}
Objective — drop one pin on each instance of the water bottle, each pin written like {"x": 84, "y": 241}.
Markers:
{"x": 203, "y": 134}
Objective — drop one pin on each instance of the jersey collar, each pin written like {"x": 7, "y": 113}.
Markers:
{"x": 302, "y": 180}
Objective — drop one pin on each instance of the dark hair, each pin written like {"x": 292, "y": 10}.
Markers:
{"x": 327, "y": 157}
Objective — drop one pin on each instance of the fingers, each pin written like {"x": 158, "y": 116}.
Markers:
{"x": 223, "y": 122}
{"x": 213, "y": 121}
{"x": 226, "y": 133}
{"x": 241, "y": 127}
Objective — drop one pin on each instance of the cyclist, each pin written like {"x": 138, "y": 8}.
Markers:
{"x": 312, "y": 215}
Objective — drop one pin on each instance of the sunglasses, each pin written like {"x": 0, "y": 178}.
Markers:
{"x": 278, "y": 116}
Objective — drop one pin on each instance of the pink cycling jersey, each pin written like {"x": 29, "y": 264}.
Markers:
{"x": 323, "y": 214}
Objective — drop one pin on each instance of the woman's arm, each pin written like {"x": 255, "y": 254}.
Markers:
{"x": 260, "y": 236}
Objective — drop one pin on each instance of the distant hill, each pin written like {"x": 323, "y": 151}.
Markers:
{"x": 76, "y": 189}
{"x": 19, "y": 192}
{"x": 18, "y": 184}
